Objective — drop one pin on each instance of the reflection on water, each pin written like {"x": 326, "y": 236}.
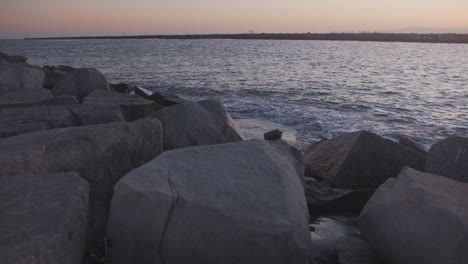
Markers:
{"x": 327, "y": 231}
{"x": 321, "y": 88}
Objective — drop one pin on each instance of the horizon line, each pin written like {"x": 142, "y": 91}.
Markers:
{"x": 343, "y": 36}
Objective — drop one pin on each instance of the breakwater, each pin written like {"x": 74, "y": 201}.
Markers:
{"x": 381, "y": 37}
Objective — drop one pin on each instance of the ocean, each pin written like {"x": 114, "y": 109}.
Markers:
{"x": 317, "y": 89}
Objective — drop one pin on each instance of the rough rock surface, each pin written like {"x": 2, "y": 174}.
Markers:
{"x": 131, "y": 106}
{"x": 360, "y": 160}
{"x": 80, "y": 83}
{"x": 43, "y": 218}
{"x": 15, "y": 77}
{"x": 19, "y": 84}
{"x": 418, "y": 218}
{"x": 449, "y": 158}
{"x": 241, "y": 202}
{"x": 15, "y": 121}
{"x": 30, "y": 100}
{"x": 95, "y": 114}
{"x": 200, "y": 123}
{"x": 101, "y": 154}
{"x": 323, "y": 199}
{"x": 24, "y": 97}
{"x": 354, "y": 250}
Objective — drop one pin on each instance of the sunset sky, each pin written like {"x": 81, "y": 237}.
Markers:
{"x": 19, "y": 18}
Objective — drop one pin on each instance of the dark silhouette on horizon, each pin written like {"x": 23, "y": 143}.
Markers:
{"x": 382, "y": 37}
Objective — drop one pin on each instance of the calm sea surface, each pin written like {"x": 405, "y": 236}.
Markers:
{"x": 322, "y": 88}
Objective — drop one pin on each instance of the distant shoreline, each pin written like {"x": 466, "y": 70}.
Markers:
{"x": 380, "y": 37}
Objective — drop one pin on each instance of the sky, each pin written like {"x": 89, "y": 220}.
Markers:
{"x": 34, "y": 18}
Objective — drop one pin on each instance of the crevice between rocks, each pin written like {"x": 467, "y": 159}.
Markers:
{"x": 175, "y": 200}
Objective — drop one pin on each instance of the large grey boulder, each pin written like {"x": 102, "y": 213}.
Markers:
{"x": 418, "y": 218}
{"x": 20, "y": 100}
{"x": 15, "y": 121}
{"x": 131, "y": 106}
{"x": 19, "y": 84}
{"x": 360, "y": 160}
{"x": 24, "y": 97}
{"x": 240, "y": 202}
{"x": 95, "y": 114}
{"x": 199, "y": 123}
{"x": 43, "y": 219}
{"x": 80, "y": 83}
{"x": 101, "y": 154}
{"x": 449, "y": 157}
{"x": 15, "y": 77}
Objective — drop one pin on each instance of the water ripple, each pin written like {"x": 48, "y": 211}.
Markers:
{"x": 323, "y": 88}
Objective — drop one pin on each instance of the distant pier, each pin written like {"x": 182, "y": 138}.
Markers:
{"x": 381, "y": 37}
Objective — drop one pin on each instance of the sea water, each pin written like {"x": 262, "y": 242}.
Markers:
{"x": 318, "y": 88}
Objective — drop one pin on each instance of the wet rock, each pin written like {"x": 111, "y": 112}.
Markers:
{"x": 131, "y": 106}
{"x": 101, "y": 154}
{"x": 449, "y": 158}
{"x": 360, "y": 160}
{"x": 43, "y": 218}
{"x": 418, "y": 218}
{"x": 241, "y": 202}
{"x": 160, "y": 98}
{"x": 15, "y": 121}
{"x": 201, "y": 123}
{"x": 80, "y": 83}
{"x": 354, "y": 250}
{"x": 409, "y": 143}
{"x": 328, "y": 231}
{"x": 143, "y": 92}
{"x": 273, "y": 135}
{"x": 323, "y": 199}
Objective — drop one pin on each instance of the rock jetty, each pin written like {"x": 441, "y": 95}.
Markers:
{"x": 92, "y": 172}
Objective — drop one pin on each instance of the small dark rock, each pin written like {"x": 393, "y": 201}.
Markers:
{"x": 273, "y": 135}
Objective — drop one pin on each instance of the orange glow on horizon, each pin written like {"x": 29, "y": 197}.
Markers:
{"x": 209, "y": 16}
